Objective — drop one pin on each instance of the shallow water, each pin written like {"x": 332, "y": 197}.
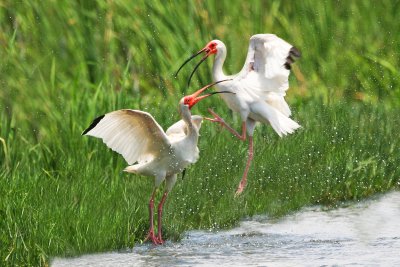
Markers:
{"x": 362, "y": 234}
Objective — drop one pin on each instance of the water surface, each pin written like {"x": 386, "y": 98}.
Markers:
{"x": 361, "y": 234}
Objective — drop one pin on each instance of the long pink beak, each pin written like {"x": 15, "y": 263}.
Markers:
{"x": 196, "y": 95}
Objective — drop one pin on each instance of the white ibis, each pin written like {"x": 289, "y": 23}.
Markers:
{"x": 259, "y": 87}
{"x": 148, "y": 150}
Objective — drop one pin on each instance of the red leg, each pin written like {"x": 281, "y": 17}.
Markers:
{"x": 160, "y": 209}
{"x": 242, "y": 137}
{"x": 151, "y": 234}
{"x": 221, "y": 121}
{"x": 243, "y": 182}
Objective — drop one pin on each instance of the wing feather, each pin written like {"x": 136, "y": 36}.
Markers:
{"x": 132, "y": 133}
{"x": 267, "y": 65}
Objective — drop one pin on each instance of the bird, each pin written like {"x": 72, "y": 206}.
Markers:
{"x": 149, "y": 150}
{"x": 259, "y": 88}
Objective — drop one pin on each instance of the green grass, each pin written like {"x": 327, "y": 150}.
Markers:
{"x": 64, "y": 63}
{"x": 72, "y": 197}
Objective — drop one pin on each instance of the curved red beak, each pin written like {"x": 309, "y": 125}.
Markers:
{"x": 196, "y": 95}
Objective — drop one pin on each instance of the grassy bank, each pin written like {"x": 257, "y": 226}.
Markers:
{"x": 64, "y": 64}
{"x": 68, "y": 196}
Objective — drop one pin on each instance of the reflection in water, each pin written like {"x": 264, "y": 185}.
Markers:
{"x": 364, "y": 234}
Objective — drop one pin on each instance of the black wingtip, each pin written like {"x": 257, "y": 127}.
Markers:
{"x": 183, "y": 173}
{"x": 93, "y": 124}
{"x": 293, "y": 53}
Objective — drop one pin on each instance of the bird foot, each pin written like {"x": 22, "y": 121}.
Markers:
{"x": 240, "y": 189}
{"x": 160, "y": 240}
{"x": 238, "y": 192}
{"x": 216, "y": 118}
{"x": 151, "y": 236}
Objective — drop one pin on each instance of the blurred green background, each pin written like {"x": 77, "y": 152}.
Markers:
{"x": 62, "y": 63}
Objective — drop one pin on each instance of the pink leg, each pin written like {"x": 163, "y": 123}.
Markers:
{"x": 151, "y": 234}
{"x": 160, "y": 209}
{"x": 242, "y": 137}
{"x": 221, "y": 121}
{"x": 243, "y": 182}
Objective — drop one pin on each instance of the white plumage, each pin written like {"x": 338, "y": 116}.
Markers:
{"x": 132, "y": 133}
{"x": 140, "y": 139}
{"x": 259, "y": 88}
{"x": 148, "y": 149}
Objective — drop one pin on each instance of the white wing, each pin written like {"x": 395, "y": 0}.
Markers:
{"x": 267, "y": 65}
{"x": 179, "y": 129}
{"x": 132, "y": 133}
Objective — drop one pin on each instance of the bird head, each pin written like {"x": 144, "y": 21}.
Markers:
{"x": 193, "y": 99}
{"x": 213, "y": 47}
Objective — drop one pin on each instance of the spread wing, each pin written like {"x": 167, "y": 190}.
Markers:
{"x": 267, "y": 65}
{"x": 132, "y": 133}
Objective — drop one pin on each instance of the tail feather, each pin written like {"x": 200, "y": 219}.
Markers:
{"x": 282, "y": 124}
{"x": 132, "y": 169}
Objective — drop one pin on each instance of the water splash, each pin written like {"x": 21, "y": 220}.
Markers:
{"x": 364, "y": 233}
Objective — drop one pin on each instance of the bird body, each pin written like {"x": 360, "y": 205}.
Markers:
{"x": 261, "y": 85}
{"x": 258, "y": 89}
{"x": 149, "y": 150}
{"x": 180, "y": 151}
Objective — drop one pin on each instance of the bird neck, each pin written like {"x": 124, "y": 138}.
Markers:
{"x": 218, "y": 73}
{"x": 187, "y": 118}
